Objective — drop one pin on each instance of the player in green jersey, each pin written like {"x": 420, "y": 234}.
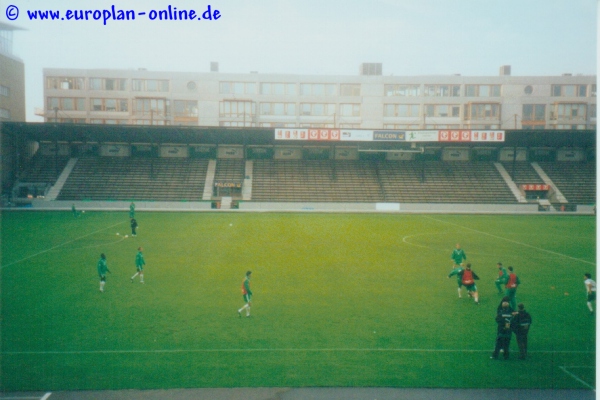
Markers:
{"x": 502, "y": 277}
{"x": 102, "y": 270}
{"x": 458, "y": 256}
{"x": 139, "y": 265}
{"x": 458, "y": 273}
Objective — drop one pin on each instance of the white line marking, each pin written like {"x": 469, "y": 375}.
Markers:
{"x": 564, "y": 369}
{"x": 45, "y": 397}
{"x": 6, "y": 353}
{"x": 20, "y": 398}
{"x": 512, "y": 241}
{"x": 59, "y": 245}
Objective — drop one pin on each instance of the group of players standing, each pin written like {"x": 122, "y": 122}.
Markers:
{"x": 510, "y": 317}
{"x": 102, "y": 265}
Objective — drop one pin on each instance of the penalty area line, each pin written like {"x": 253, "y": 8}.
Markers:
{"x": 512, "y": 241}
{"x": 58, "y": 245}
{"x": 584, "y": 383}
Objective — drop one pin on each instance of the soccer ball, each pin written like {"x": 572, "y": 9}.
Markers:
{"x": 83, "y": 212}
{"x": 117, "y": 233}
{"x": 126, "y": 235}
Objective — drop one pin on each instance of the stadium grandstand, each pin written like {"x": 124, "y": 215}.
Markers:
{"x": 53, "y": 165}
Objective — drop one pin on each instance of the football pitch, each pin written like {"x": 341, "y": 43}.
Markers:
{"x": 340, "y": 300}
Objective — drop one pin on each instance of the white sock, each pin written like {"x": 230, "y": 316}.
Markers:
{"x": 102, "y": 286}
{"x": 459, "y": 295}
{"x": 136, "y": 274}
{"x": 590, "y": 306}
{"x": 142, "y": 278}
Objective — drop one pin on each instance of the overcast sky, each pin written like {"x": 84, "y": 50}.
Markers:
{"x": 331, "y": 37}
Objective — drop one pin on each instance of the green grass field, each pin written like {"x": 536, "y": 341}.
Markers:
{"x": 358, "y": 300}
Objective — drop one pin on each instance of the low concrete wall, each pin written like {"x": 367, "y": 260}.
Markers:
{"x": 121, "y": 205}
{"x": 393, "y": 207}
{"x": 249, "y": 206}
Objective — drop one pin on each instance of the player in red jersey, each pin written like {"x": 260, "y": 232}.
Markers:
{"x": 246, "y": 294}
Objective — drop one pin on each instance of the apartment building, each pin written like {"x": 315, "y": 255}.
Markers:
{"x": 12, "y": 78}
{"x": 368, "y": 100}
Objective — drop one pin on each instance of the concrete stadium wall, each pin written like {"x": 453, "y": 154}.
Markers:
{"x": 249, "y": 206}
{"x": 393, "y": 207}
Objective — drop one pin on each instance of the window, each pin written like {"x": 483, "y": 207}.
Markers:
{"x": 237, "y": 87}
{"x": 243, "y": 109}
{"x": 569, "y": 90}
{"x": 592, "y": 111}
{"x": 109, "y": 105}
{"x": 401, "y": 110}
{"x": 64, "y": 83}
{"x": 4, "y": 91}
{"x": 278, "y": 109}
{"x": 151, "y": 122}
{"x": 4, "y": 113}
{"x": 534, "y": 112}
{"x": 155, "y": 107}
{"x": 350, "y": 89}
{"x": 482, "y": 90}
{"x": 568, "y": 111}
{"x": 402, "y": 90}
{"x": 279, "y": 89}
{"x": 442, "y": 110}
{"x": 442, "y": 90}
{"x": 108, "y": 121}
{"x": 108, "y": 84}
{"x": 350, "y": 110}
{"x": 186, "y": 108}
{"x": 574, "y": 127}
{"x": 318, "y": 89}
{"x": 482, "y": 111}
{"x": 66, "y": 103}
{"x": 317, "y": 109}
{"x": 401, "y": 126}
{"x": 149, "y": 85}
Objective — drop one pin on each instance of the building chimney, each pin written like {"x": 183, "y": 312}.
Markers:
{"x": 370, "y": 69}
{"x": 505, "y": 70}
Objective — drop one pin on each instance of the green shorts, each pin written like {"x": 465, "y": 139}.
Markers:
{"x": 247, "y": 298}
{"x": 471, "y": 288}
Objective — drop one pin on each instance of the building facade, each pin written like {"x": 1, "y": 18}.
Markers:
{"x": 369, "y": 100}
{"x": 12, "y": 78}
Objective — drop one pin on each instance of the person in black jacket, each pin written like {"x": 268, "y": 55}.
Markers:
{"x": 134, "y": 226}
{"x": 520, "y": 325}
{"x": 504, "y": 333}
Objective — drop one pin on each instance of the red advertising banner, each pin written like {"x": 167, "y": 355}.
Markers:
{"x": 324, "y": 134}
{"x": 455, "y": 136}
{"x": 487, "y": 136}
{"x": 535, "y": 187}
{"x": 291, "y": 134}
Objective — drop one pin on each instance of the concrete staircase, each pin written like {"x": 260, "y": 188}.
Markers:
{"x": 60, "y": 182}
{"x": 210, "y": 180}
{"x": 510, "y": 183}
